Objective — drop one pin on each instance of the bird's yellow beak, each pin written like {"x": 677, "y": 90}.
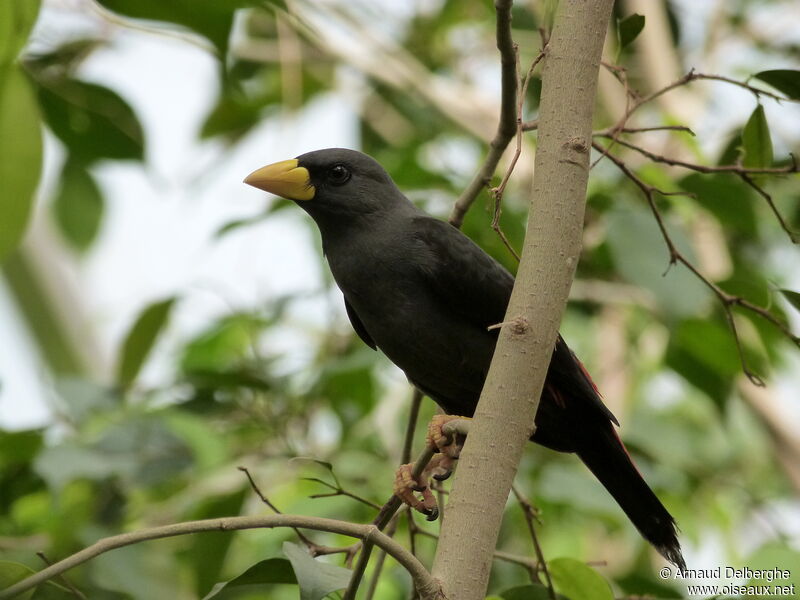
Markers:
{"x": 285, "y": 179}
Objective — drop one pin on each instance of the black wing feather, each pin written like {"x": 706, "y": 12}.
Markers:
{"x": 358, "y": 325}
{"x": 478, "y": 288}
{"x": 472, "y": 283}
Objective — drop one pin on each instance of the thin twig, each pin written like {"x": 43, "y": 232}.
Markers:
{"x": 506, "y": 126}
{"x": 380, "y": 560}
{"x": 340, "y": 491}
{"x": 694, "y": 76}
{"x": 529, "y": 512}
{"x": 793, "y": 235}
{"x": 738, "y": 169}
{"x": 609, "y": 132}
{"x": 675, "y": 256}
{"x": 313, "y": 548}
{"x": 424, "y": 582}
{"x": 411, "y": 425}
{"x": 358, "y": 571}
{"x": 497, "y": 192}
{"x": 73, "y": 590}
{"x": 530, "y": 125}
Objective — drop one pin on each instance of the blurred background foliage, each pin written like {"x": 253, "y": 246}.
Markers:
{"x": 149, "y": 427}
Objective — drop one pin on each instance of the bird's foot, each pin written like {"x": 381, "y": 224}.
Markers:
{"x": 446, "y": 434}
{"x": 406, "y": 487}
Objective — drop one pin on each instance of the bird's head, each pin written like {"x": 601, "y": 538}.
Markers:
{"x": 330, "y": 182}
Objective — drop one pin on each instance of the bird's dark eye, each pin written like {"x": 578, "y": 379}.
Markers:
{"x": 338, "y": 174}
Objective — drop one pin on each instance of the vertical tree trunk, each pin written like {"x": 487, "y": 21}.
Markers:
{"x": 505, "y": 413}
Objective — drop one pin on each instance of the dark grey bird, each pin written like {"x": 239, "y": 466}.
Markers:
{"x": 425, "y": 294}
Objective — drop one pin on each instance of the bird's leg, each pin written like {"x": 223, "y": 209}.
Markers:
{"x": 447, "y": 438}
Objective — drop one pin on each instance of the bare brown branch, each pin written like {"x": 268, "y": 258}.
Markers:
{"x": 429, "y": 588}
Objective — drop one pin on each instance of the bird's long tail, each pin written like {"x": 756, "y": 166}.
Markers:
{"x": 605, "y": 455}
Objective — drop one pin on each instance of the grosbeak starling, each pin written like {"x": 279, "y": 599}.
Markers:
{"x": 426, "y": 295}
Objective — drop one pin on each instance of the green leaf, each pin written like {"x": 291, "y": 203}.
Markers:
{"x": 727, "y": 197}
{"x": 78, "y": 207}
{"x": 774, "y": 555}
{"x": 139, "y": 571}
{"x": 578, "y": 581}
{"x": 704, "y": 352}
{"x": 709, "y": 343}
{"x": 732, "y": 151}
{"x": 629, "y": 28}
{"x": 784, "y": 80}
{"x": 143, "y": 451}
{"x": 317, "y": 579}
{"x": 210, "y": 18}
{"x": 756, "y": 141}
{"x": 224, "y": 345}
{"x": 79, "y": 399}
{"x": 140, "y": 340}
{"x": 792, "y": 297}
{"x": 641, "y": 257}
{"x": 93, "y": 121}
{"x": 639, "y": 584}
{"x": 20, "y": 156}
{"x": 233, "y": 116}
{"x": 19, "y": 447}
{"x": 17, "y": 18}
{"x": 11, "y": 573}
{"x": 534, "y": 591}
{"x": 269, "y": 571}
{"x": 207, "y": 552}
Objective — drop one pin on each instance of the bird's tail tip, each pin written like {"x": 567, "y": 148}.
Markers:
{"x": 672, "y": 553}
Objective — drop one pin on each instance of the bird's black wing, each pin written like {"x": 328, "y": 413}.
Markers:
{"x": 358, "y": 325}
{"x": 478, "y": 288}
{"x": 472, "y": 284}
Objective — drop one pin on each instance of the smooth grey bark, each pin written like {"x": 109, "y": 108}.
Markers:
{"x": 505, "y": 413}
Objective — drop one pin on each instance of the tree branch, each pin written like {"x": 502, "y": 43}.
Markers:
{"x": 675, "y": 256}
{"x": 428, "y": 588}
{"x": 506, "y": 126}
{"x": 504, "y": 419}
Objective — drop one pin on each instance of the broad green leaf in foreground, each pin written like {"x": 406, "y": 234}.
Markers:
{"x": 629, "y": 28}
{"x": 20, "y": 155}
{"x": 265, "y": 572}
{"x": 578, "y": 581}
{"x": 793, "y": 297}
{"x": 17, "y": 18}
{"x": 756, "y": 141}
{"x": 317, "y": 579}
{"x": 785, "y": 80}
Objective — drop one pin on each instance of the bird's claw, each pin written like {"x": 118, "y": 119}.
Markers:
{"x": 405, "y": 486}
{"x": 448, "y": 446}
